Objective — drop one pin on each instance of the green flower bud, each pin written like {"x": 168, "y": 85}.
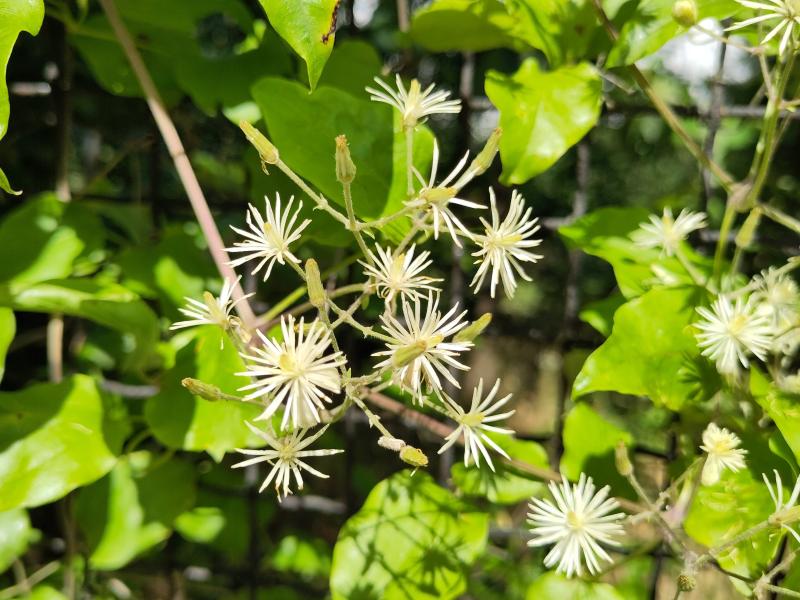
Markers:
{"x": 686, "y": 582}
{"x": 316, "y": 292}
{"x": 267, "y": 152}
{"x": 408, "y": 354}
{"x": 486, "y": 156}
{"x": 413, "y": 456}
{"x": 685, "y": 12}
{"x": 747, "y": 232}
{"x": 622, "y": 459}
{"x": 474, "y": 329}
{"x": 202, "y": 389}
{"x": 345, "y": 168}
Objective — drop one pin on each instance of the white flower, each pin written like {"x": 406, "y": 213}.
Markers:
{"x": 780, "y": 506}
{"x": 398, "y": 275}
{"x": 667, "y": 233}
{"x": 295, "y": 371}
{"x": 729, "y": 332}
{"x": 285, "y": 454}
{"x": 438, "y": 198}
{"x": 504, "y": 245}
{"x": 475, "y": 423}
{"x": 578, "y": 523}
{"x": 269, "y": 240}
{"x": 777, "y": 297}
{"x": 722, "y": 447}
{"x": 415, "y": 104}
{"x": 211, "y": 311}
{"x": 788, "y": 11}
{"x": 426, "y": 333}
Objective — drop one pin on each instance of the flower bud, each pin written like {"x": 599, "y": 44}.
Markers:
{"x": 686, "y": 582}
{"x": 408, "y": 354}
{"x": 413, "y": 456}
{"x": 474, "y": 329}
{"x": 622, "y": 459}
{"x": 747, "y": 232}
{"x": 202, "y": 389}
{"x": 267, "y": 152}
{"x": 391, "y": 443}
{"x": 486, "y": 156}
{"x": 345, "y": 168}
{"x": 316, "y": 292}
{"x": 685, "y": 12}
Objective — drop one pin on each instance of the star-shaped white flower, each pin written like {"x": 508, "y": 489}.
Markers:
{"x": 578, "y": 523}
{"x": 295, "y": 371}
{"x": 268, "y": 241}
{"x": 732, "y": 331}
{"x": 780, "y": 506}
{"x": 414, "y": 104}
{"x": 504, "y": 245}
{"x": 285, "y": 454}
{"x": 437, "y": 199}
{"x": 475, "y": 423}
{"x": 399, "y": 275}
{"x": 667, "y": 233}
{"x": 212, "y": 311}
{"x": 786, "y": 11}
{"x": 723, "y": 452}
{"x": 427, "y": 332}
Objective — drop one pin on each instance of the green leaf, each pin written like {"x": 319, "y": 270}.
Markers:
{"x": 543, "y": 114}
{"x": 16, "y": 16}
{"x": 303, "y": 127}
{"x": 307, "y": 558}
{"x": 5, "y": 185}
{"x": 651, "y": 26}
{"x": 181, "y": 420}
{"x": 107, "y": 304}
{"x": 721, "y": 511}
{"x": 467, "y": 25}
{"x": 506, "y": 485}
{"x": 648, "y": 350}
{"x": 783, "y": 408}
{"x": 600, "y": 314}
{"x": 15, "y": 535}
{"x": 53, "y": 440}
{"x": 552, "y": 585}
{"x": 589, "y": 443}
{"x": 133, "y": 508}
{"x": 411, "y": 539}
{"x": 352, "y": 67}
{"x": 45, "y": 592}
{"x": 309, "y": 27}
{"x": 8, "y": 327}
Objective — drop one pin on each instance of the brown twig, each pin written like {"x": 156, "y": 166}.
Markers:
{"x": 176, "y": 150}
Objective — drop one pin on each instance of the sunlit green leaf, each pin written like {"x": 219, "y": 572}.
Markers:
{"x": 543, "y": 114}
{"x": 600, "y": 314}
{"x": 8, "y": 327}
{"x": 15, "y": 535}
{"x": 783, "y": 408}
{"x": 53, "y": 440}
{"x": 468, "y": 25}
{"x": 411, "y": 539}
{"x": 309, "y": 27}
{"x": 553, "y": 585}
{"x": 648, "y": 350}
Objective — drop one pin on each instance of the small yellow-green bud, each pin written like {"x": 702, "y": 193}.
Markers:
{"x": 391, "y": 443}
{"x": 474, "y": 329}
{"x": 686, "y": 582}
{"x": 345, "y": 168}
{"x": 685, "y": 12}
{"x": 202, "y": 389}
{"x": 622, "y": 459}
{"x": 408, "y": 354}
{"x": 486, "y": 156}
{"x": 413, "y": 456}
{"x": 748, "y": 230}
{"x": 267, "y": 152}
{"x": 316, "y": 292}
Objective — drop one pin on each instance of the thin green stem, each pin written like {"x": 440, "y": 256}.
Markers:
{"x": 409, "y": 132}
{"x": 351, "y": 217}
{"x": 781, "y": 590}
{"x": 734, "y": 541}
{"x": 781, "y": 217}
{"x": 696, "y": 276}
{"x": 319, "y": 199}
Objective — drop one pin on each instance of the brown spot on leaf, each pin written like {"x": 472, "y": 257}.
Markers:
{"x": 332, "y": 29}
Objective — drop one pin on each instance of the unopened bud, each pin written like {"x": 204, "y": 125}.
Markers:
{"x": 474, "y": 329}
{"x": 202, "y": 389}
{"x": 685, "y": 12}
{"x": 748, "y": 230}
{"x": 686, "y": 582}
{"x": 408, "y": 354}
{"x": 316, "y": 293}
{"x": 267, "y": 152}
{"x": 622, "y": 459}
{"x": 345, "y": 168}
{"x": 486, "y": 156}
{"x": 391, "y": 443}
{"x": 413, "y": 456}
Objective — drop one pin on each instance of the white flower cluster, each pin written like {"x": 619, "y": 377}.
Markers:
{"x": 296, "y": 374}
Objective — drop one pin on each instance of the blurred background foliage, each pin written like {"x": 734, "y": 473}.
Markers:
{"x": 139, "y": 501}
